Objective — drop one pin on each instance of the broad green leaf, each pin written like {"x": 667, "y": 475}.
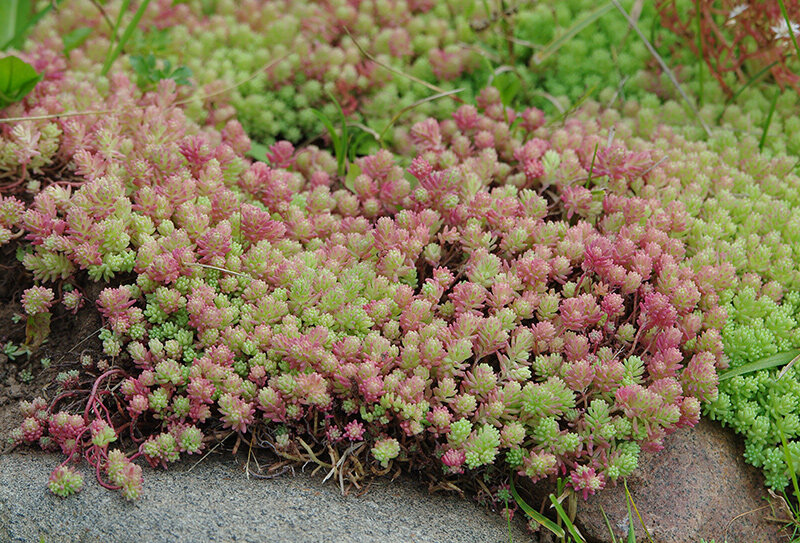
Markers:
{"x": 75, "y": 38}
{"x": 17, "y": 79}
{"x": 773, "y": 361}
{"x": 181, "y": 75}
{"x": 140, "y": 65}
{"x": 258, "y": 151}
{"x": 17, "y": 17}
{"x": 536, "y": 515}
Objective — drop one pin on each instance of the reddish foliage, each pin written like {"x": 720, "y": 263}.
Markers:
{"x": 738, "y": 36}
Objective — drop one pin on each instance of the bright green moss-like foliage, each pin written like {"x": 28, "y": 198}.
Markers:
{"x": 759, "y": 405}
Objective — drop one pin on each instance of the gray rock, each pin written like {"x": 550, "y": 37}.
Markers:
{"x": 697, "y": 487}
{"x": 215, "y": 502}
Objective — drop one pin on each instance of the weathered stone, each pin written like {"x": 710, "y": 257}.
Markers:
{"x": 697, "y": 487}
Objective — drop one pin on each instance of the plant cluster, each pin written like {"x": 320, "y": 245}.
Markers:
{"x": 498, "y": 308}
{"x": 734, "y": 37}
{"x": 741, "y": 210}
{"x": 287, "y": 59}
{"x": 761, "y": 405}
{"x": 498, "y": 295}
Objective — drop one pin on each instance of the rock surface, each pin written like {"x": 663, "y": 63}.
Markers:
{"x": 216, "y": 503}
{"x": 697, "y": 487}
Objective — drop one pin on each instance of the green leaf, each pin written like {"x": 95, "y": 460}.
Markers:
{"x": 181, "y": 75}
{"x": 509, "y": 85}
{"x": 535, "y": 515}
{"x": 37, "y": 328}
{"x": 350, "y": 180}
{"x": 17, "y": 79}
{"x": 139, "y": 64}
{"x": 573, "y": 531}
{"x": 608, "y": 525}
{"x": 358, "y": 141}
{"x": 17, "y": 17}
{"x": 14, "y": 15}
{"x": 788, "y": 457}
{"x": 768, "y": 122}
{"x": 129, "y": 30}
{"x": 773, "y": 361}
{"x": 335, "y": 139}
{"x": 258, "y": 151}
{"x": 75, "y": 38}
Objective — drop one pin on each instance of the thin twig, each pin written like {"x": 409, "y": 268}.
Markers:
{"x": 312, "y": 455}
{"x": 431, "y": 86}
{"x": 728, "y": 525}
{"x": 81, "y": 342}
{"x": 220, "y": 269}
{"x": 663, "y": 64}
{"x": 102, "y": 11}
{"x": 212, "y": 449}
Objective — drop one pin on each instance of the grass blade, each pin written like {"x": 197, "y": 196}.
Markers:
{"x": 591, "y": 166}
{"x": 563, "y": 116}
{"x": 129, "y": 30}
{"x": 414, "y": 105}
{"x": 789, "y": 26}
{"x": 573, "y": 531}
{"x": 700, "y": 48}
{"x": 555, "y": 45}
{"x": 663, "y": 65}
{"x": 115, "y": 30}
{"x": 335, "y": 139}
{"x": 344, "y": 138}
{"x": 631, "y": 531}
{"x": 535, "y": 515}
{"x": 608, "y": 525}
{"x": 768, "y": 122}
{"x": 758, "y": 75}
{"x": 415, "y": 79}
{"x": 636, "y": 510}
{"x": 788, "y": 366}
{"x": 788, "y": 457}
{"x": 773, "y": 361}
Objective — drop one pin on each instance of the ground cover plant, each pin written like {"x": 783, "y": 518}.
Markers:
{"x": 316, "y": 245}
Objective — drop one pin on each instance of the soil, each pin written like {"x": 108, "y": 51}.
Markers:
{"x": 70, "y": 336}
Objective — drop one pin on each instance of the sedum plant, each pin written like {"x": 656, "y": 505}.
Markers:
{"x": 762, "y": 405}
{"x": 490, "y": 306}
{"x": 503, "y": 294}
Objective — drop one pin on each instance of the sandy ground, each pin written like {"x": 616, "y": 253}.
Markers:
{"x": 215, "y": 502}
